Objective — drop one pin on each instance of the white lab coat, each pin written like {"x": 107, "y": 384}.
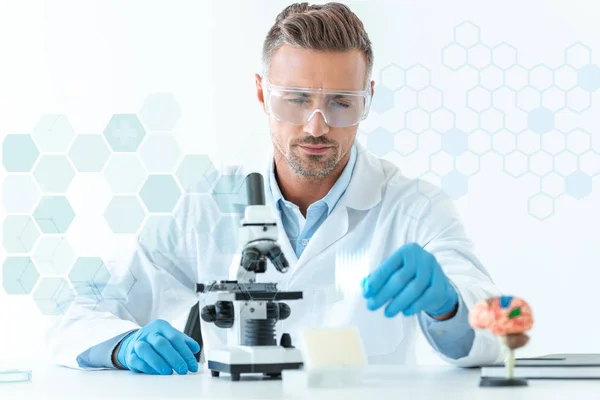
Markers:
{"x": 380, "y": 211}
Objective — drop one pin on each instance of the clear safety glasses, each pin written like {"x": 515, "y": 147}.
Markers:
{"x": 297, "y": 106}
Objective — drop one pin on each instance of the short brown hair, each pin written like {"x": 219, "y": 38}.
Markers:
{"x": 326, "y": 27}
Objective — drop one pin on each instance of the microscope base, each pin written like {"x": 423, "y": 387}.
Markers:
{"x": 267, "y": 360}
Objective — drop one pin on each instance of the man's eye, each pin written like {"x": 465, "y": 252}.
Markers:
{"x": 341, "y": 104}
{"x": 341, "y": 101}
{"x": 298, "y": 100}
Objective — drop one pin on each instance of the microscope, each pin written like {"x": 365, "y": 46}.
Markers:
{"x": 250, "y": 310}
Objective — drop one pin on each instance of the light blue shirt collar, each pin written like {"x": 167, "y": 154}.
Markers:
{"x": 331, "y": 198}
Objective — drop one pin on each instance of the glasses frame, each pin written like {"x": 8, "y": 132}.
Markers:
{"x": 267, "y": 87}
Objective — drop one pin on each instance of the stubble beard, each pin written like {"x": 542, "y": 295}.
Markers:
{"x": 312, "y": 165}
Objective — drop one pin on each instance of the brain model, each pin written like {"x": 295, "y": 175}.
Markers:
{"x": 506, "y": 316}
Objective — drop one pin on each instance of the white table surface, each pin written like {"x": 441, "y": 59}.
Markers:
{"x": 447, "y": 383}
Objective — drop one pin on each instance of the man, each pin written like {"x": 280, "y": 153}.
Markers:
{"x": 344, "y": 216}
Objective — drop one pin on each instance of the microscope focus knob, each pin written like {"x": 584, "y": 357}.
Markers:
{"x": 278, "y": 311}
{"x": 208, "y": 314}
{"x": 284, "y": 311}
{"x": 225, "y": 314}
{"x": 221, "y": 314}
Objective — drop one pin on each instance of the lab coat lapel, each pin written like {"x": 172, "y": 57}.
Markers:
{"x": 333, "y": 229}
{"x": 284, "y": 241}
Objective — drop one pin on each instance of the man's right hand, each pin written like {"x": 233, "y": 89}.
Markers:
{"x": 158, "y": 349}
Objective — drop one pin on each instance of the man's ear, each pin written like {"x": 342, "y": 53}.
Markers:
{"x": 259, "y": 91}
{"x": 372, "y": 88}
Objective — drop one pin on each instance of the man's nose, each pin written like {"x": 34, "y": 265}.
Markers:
{"x": 316, "y": 125}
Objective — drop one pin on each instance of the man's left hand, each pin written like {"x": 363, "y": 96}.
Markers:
{"x": 411, "y": 281}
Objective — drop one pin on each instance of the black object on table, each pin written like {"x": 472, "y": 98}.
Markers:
{"x": 502, "y": 382}
{"x": 192, "y": 327}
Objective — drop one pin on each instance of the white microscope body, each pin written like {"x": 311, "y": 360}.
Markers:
{"x": 250, "y": 310}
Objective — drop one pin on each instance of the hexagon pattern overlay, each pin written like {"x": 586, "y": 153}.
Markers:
{"x": 526, "y": 116}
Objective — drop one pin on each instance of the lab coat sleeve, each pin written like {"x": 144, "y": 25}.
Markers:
{"x": 453, "y": 337}
{"x": 99, "y": 356}
{"x": 157, "y": 281}
{"x": 440, "y": 231}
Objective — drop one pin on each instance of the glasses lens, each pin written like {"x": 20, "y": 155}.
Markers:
{"x": 297, "y": 107}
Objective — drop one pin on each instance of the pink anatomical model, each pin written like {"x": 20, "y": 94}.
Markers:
{"x": 507, "y": 317}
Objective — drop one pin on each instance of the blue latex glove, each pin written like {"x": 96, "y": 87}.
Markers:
{"x": 410, "y": 281}
{"x": 158, "y": 349}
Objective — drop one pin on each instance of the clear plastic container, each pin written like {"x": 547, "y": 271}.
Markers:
{"x": 15, "y": 375}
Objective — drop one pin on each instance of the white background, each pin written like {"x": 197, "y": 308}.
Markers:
{"x": 90, "y": 59}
